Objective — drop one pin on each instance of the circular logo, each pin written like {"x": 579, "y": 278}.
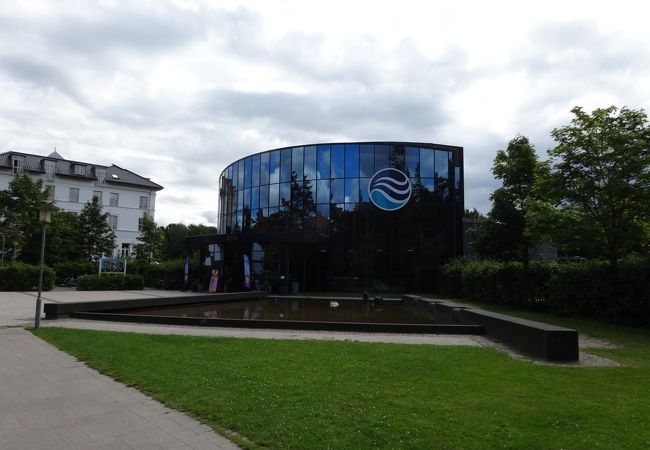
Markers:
{"x": 389, "y": 189}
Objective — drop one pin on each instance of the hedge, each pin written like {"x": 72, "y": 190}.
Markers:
{"x": 109, "y": 282}
{"x": 24, "y": 277}
{"x": 586, "y": 289}
{"x": 164, "y": 275}
{"x": 73, "y": 269}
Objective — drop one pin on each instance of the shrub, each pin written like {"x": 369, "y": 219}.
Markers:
{"x": 588, "y": 289}
{"x": 164, "y": 275}
{"x": 73, "y": 269}
{"x": 24, "y": 277}
{"x": 109, "y": 282}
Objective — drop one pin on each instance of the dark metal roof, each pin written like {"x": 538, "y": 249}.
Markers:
{"x": 66, "y": 168}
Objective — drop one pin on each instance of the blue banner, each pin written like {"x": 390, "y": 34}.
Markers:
{"x": 186, "y": 274}
{"x": 247, "y": 272}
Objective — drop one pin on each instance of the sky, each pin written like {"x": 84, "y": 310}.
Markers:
{"x": 177, "y": 90}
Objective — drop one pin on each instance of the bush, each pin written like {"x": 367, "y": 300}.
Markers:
{"x": 588, "y": 289}
{"x": 109, "y": 282}
{"x": 24, "y": 277}
{"x": 73, "y": 269}
{"x": 166, "y": 274}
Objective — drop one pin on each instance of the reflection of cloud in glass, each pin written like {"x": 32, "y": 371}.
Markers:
{"x": 275, "y": 175}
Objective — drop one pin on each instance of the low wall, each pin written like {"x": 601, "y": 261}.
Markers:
{"x": 542, "y": 340}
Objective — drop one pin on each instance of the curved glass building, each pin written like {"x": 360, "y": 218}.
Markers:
{"x": 335, "y": 216}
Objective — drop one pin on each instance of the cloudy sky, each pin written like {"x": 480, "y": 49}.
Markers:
{"x": 176, "y": 90}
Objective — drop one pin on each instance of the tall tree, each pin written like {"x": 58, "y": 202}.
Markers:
{"x": 19, "y": 205}
{"x": 63, "y": 238}
{"x": 96, "y": 237}
{"x": 174, "y": 244}
{"x": 151, "y": 241}
{"x": 600, "y": 170}
{"x": 506, "y": 232}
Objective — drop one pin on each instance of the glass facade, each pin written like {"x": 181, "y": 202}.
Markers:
{"x": 323, "y": 189}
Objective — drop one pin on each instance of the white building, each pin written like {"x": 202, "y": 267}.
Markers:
{"x": 126, "y": 196}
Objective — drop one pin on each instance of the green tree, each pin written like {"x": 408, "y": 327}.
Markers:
{"x": 174, "y": 243}
{"x": 600, "y": 173}
{"x": 96, "y": 237}
{"x": 19, "y": 205}
{"x": 507, "y": 233}
{"x": 63, "y": 238}
{"x": 151, "y": 241}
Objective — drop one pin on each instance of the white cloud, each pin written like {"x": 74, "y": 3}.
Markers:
{"x": 176, "y": 90}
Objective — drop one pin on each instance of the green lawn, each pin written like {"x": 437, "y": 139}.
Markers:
{"x": 310, "y": 394}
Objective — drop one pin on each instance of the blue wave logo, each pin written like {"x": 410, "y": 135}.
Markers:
{"x": 389, "y": 189}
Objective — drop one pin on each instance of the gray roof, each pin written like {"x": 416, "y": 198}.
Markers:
{"x": 114, "y": 174}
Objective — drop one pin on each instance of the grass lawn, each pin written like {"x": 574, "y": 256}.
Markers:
{"x": 313, "y": 394}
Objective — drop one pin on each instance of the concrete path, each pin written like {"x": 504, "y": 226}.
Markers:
{"x": 49, "y": 400}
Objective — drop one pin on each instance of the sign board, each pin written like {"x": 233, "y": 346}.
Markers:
{"x": 112, "y": 265}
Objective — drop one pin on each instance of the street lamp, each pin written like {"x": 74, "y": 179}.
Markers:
{"x": 2, "y": 261}
{"x": 44, "y": 217}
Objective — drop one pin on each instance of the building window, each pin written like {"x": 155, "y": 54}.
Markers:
{"x": 115, "y": 199}
{"x": 74, "y": 195}
{"x": 49, "y": 167}
{"x": 50, "y": 192}
{"x": 125, "y": 249}
{"x": 101, "y": 175}
{"x": 79, "y": 169}
{"x": 140, "y": 223}
{"x": 144, "y": 202}
{"x": 98, "y": 196}
{"x": 112, "y": 222}
{"x": 18, "y": 164}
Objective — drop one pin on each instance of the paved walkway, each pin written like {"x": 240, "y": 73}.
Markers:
{"x": 49, "y": 400}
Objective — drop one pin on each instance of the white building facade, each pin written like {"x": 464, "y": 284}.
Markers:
{"x": 125, "y": 195}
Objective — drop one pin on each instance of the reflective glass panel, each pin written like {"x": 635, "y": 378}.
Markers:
{"x": 323, "y": 191}
{"x": 338, "y": 190}
{"x": 351, "y": 160}
{"x": 366, "y": 160}
{"x": 256, "y": 170}
{"x": 264, "y": 196}
{"x": 442, "y": 164}
{"x": 240, "y": 219}
{"x": 427, "y": 183}
{"x": 322, "y": 217}
{"x": 351, "y": 190}
{"x": 264, "y": 168}
{"x": 240, "y": 200}
{"x": 323, "y": 161}
{"x": 255, "y": 199}
{"x": 426, "y": 162}
{"x": 338, "y": 161}
{"x": 363, "y": 189}
{"x": 274, "y": 195}
{"x": 235, "y": 175}
{"x": 285, "y": 193}
{"x": 350, "y": 206}
{"x": 274, "y": 167}
{"x": 396, "y": 157}
{"x": 285, "y": 165}
{"x": 240, "y": 176}
{"x": 412, "y": 159}
{"x": 381, "y": 157}
{"x": 229, "y": 172}
{"x": 247, "y": 198}
{"x": 457, "y": 177}
{"x": 296, "y": 163}
{"x": 248, "y": 172}
{"x": 310, "y": 162}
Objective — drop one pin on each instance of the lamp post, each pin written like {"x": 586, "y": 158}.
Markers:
{"x": 2, "y": 261}
{"x": 44, "y": 216}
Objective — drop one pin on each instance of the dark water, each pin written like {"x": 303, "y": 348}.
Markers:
{"x": 291, "y": 309}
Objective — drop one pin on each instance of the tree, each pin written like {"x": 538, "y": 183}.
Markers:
{"x": 151, "y": 241}
{"x": 19, "y": 205}
{"x": 96, "y": 237}
{"x": 174, "y": 243}
{"x": 600, "y": 172}
{"x": 63, "y": 238}
{"x": 506, "y": 233}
